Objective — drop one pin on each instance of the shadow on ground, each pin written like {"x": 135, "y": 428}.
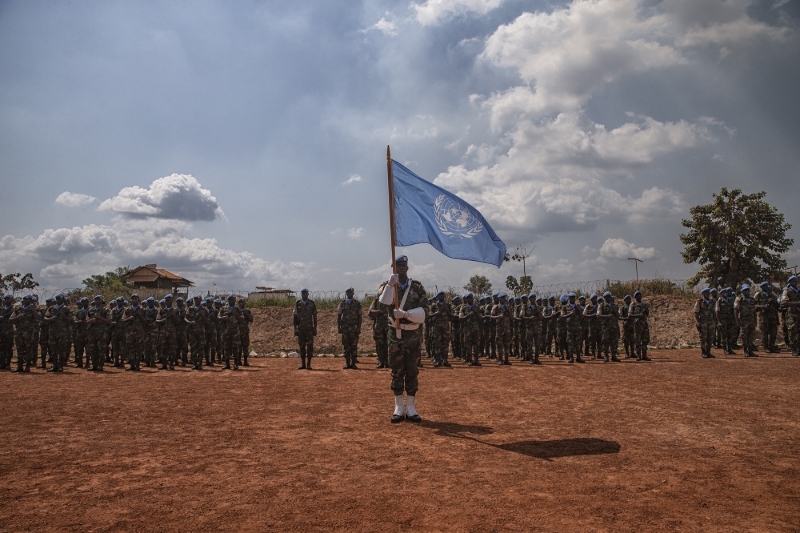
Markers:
{"x": 541, "y": 449}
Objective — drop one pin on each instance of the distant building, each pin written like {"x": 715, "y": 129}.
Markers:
{"x": 152, "y": 277}
{"x": 268, "y": 293}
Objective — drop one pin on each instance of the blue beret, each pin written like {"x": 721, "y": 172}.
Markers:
{"x": 231, "y": 297}
{"x": 571, "y": 295}
{"x": 763, "y": 284}
{"x": 502, "y": 295}
{"x": 593, "y": 296}
{"x": 467, "y": 295}
{"x": 637, "y": 293}
{"x": 713, "y": 290}
{"x": 705, "y": 290}
{"x": 168, "y": 296}
{"x": 745, "y": 287}
{"x": 524, "y": 297}
{"x": 627, "y": 297}
{"x": 303, "y": 290}
{"x": 564, "y": 299}
{"x": 401, "y": 259}
{"x": 440, "y": 293}
{"x": 792, "y": 278}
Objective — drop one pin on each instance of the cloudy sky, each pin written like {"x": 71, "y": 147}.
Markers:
{"x": 243, "y": 143}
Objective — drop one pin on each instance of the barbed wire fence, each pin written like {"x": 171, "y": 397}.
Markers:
{"x": 617, "y": 287}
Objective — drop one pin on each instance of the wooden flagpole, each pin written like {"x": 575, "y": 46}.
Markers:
{"x": 392, "y": 228}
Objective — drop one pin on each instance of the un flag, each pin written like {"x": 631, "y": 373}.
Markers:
{"x": 426, "y": 213}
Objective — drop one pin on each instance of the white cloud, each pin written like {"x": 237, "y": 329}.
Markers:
{"x": 72, "y": 254}
{"x": 74, "y": 199}
{"x": 178, "y": 196}
{"x": 622, "y": 249}
{"x": 356, "y": 233}
{"x": 433, "y": 12}
{"x": 387, "y": 25}
{"x": 354, "y": 178}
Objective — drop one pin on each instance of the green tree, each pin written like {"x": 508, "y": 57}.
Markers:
{"x": 736, "y": 237}
{"x": 109, "y": 280}
{"x": 17, "y": 282}
{"x": 513, "y": 285}
{"x": 479, "y": 286}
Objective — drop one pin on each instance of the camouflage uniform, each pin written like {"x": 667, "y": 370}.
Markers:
{"x": 486, "y": 331}
{"x": 529, "y": 320}
{"x": 547, "y": 328}
{"x": 168, "y": 318}
{"x": 348, "y": 319}
{"x": 726, "y": 322}
{"x": 6, "y": 334}
{"x": 704, "y": 313}
{"x": 244, "y": 332}
{"x": 80, "y": 335}
{"x": 571, "y": 312}
{"x": 639, "y": 312}
{"x": 196, "y": 319}
{"x": 592, "y": 328}
{"x": 182, "y": 334}
{"x": 745, "y": 309}
{"x": 229, "y": 318}
{"x": 25, "y": 324}
{"x": 471, "y": 320}
{"x": 627, "y": 329}
{"x": 502, "y": 317}
{"x": 440, "y": 315}
{"x": 119, "y": 344}
{"x": 768, "y": 310}
{"x": 96, "y": 338}
{"x": 42, "y": 338}
{"x": 456, "y": 335}
{"x": 151, "y": 338}
{"x": 404, "y": 350}
{"x": 491, "y": 337}
{"x": 213, "y": 326}
{"x": 607, "y": 319}
{"x": 380, "y": 326}
{"x": 561, "y": 330}
{"x": 60, "y": 335}
{"x": 135, "y": 334}
{"x": 305, "y": 328}
{"x": 789, "y": 300}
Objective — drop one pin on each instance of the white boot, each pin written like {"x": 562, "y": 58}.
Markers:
{"x": 411, "y": 411}
{"x": 399, "y": 409}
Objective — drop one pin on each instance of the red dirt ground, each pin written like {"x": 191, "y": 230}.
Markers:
{"x": 679, "y": 444}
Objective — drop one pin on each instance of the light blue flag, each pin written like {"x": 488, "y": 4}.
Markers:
{"x": 424, "y": 212}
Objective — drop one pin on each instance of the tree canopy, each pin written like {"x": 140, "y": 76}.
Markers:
{"x": 735, "y": 238}
{"x": 109, "y": 280}
{"x": 17, "y": 282}
{"x": 479, "y": 286}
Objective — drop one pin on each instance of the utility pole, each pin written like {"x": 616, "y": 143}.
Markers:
{"x": 636, "y": 262}
{"x": 520, "y": 255}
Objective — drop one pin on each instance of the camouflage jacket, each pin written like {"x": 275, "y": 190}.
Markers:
{"x": 305, "y": 316}
{"x": 380, "y": 319}
{"x": 746, "y": 310}
{"x": 639, "y": 311}
{"x": 704, "y": 311}
{"x": 348, "y": 316}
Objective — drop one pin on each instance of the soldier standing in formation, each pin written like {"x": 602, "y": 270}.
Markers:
{"x": 244, "y": 330}
{"x": 405, "y": 300}
{"x": 639, "y": 312}
{"x": 768, "y": 308}
{"x": 348, "y": 321}
{"x": 745, "y": 311}
{"x": 304, "y": 318}
{"x": 439, "y": 317}
{"x": 380, "y": 325}
{"x": 790, "y": 300}
{"x": 705, "y": 322}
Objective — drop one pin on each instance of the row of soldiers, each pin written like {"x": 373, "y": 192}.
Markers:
{"x": 498, "y": 327}
{"x": 123, "y": 332}
{"x": 723, "y": 318}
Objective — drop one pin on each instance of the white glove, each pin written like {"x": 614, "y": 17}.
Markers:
{"x": 394, "y": 279}
{"x": 399, "y": 313}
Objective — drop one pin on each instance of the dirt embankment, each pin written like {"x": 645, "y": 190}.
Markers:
{"x": 671, "y": 326}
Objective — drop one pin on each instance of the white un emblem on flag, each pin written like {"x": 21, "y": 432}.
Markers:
{"x": 454, "y": 218}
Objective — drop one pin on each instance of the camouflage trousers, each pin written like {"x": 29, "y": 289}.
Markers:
{"x": 748, "y": 333}
{"x": 574, "y": 340}
{"x": 244, "y": 342}
{"x": 403, "y": 356}
{"x": 350, "y": 343}
{"x": 503, "y": 342}
{"x": 182, "y": 340}
{"x": 59, "y": 347}
{"x": 95, "y": 348}
{"x": 491, "y": 341}
{"x": 134, "y": 341}
{"x": 793, "y": 330}
{"x": 456, "y": 340}
{"x": 231, "y": 346}
{"x": 561, "y": 340}
{"x": 441, "y": 341}
{"x": 532, "y": 341}
{"x": 151, "y": 346}
{"x": 707, "y": 335}
{"x": 80, "y": 348}
{"x": 593, "y": 338}
{"x": 197, "y": 341}
{"x": 119, "y": 346}
{"x": 381, "y": 347}
{"x": 306, "y": 341}
{"x": 609, "y": 340}
{"x": 210, "y": 346}
{"x": 169, "y": 346}
{"x": 471, "y": 343}
{"x": 769, "y": 331}
{"x": 26, "y": 347}
{"x": 641, "y": 336}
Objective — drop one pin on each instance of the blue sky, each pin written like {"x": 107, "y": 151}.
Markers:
{"x": 243, "y": 143}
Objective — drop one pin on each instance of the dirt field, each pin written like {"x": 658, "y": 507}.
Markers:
{"x": 679, "y": 444}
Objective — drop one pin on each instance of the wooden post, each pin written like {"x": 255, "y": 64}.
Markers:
{"x": 392, "y": 228}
